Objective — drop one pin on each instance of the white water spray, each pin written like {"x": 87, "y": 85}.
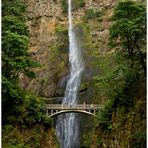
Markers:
{"x": 67, "y": 126}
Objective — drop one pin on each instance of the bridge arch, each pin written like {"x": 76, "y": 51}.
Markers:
{"x": 72, "y": 111}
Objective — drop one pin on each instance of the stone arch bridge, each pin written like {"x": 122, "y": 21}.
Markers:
{"x": 57, "y": 109}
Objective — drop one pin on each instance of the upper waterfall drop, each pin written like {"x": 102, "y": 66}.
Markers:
{"x": 76, "y": 65}
{"x": 67, "y": 126}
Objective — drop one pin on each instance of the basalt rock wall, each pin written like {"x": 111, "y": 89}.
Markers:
{"x": 48, "y": 26}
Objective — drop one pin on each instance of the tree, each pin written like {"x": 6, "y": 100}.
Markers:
{"x": 129, "y": 31}
{"x": 15, "y": 57}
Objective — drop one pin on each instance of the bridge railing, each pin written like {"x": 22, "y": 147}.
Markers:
{"x": 74, "y": 107}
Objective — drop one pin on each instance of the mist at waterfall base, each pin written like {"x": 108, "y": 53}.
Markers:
{"x": 67, "y": 125}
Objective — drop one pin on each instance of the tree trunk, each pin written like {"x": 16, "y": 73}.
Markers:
{"x": 142, "y": 61}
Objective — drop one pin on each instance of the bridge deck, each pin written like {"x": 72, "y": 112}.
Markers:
{"x": 73, "y": 107}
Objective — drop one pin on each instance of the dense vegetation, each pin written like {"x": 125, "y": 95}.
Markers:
{"x": 23, "y": 117}
{"x": 125, "y": 85}
{"x": 129, "y": 31}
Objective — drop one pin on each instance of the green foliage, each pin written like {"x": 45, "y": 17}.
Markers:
{"x": 117, "y": 86}
{"x": 12, "y": 96}
{"x": 64, "y": 6}
{"x": 15, "y": 138}
{"x": 129, "y": 23}
{"x": 24, "y": 126}
{"x": 32, "y": 111}
{"x": 15, "y": 57}
{"x": 139, "y": 139}
{"x": 9, "y": 87}
{"x": 19, "y": 108}
{"x": 92, "y": 14}
{"x": 13, "y": 24}
{"x": 58, "y": 53}
{"x": 86, "y": 40}
{"x": 13, "y": 8}
{"x": 107, "y": 84}
{"x": 129, "y": 31}
{"x": 87, "y": 140}
{"x": 106, "y": 64}
{"x": 105, "y": 115}
{"x": 60, "y": 60}
{"x": 79, "y": 3}
{"x": 62, "y": 33}
{"x": 121, "y": 77}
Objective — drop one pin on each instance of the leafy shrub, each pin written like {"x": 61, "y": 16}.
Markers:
{"x": 78, "y": 4}
{"x": 32, "y": 111}
{"x": 105, "y": 115}
{"x": 26, "y": 124}
{"x": 93, "y": 14}
{"x": 64, "y": 6}
{"x": 139, "y": 139}
{"x": 118, "y": 86}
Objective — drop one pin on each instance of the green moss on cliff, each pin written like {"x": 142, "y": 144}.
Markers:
{"x": 58, "y": 53}
{"x": 93, "y": 14}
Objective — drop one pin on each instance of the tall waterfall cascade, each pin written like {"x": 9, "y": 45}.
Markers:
{"x": 67, "y": 126}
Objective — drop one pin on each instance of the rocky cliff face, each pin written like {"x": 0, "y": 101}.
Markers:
{"x": 49, "y": 41}
{"x": 43, "y": 17}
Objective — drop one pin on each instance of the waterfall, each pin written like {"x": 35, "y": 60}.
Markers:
{"x": 67, "y": 126}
